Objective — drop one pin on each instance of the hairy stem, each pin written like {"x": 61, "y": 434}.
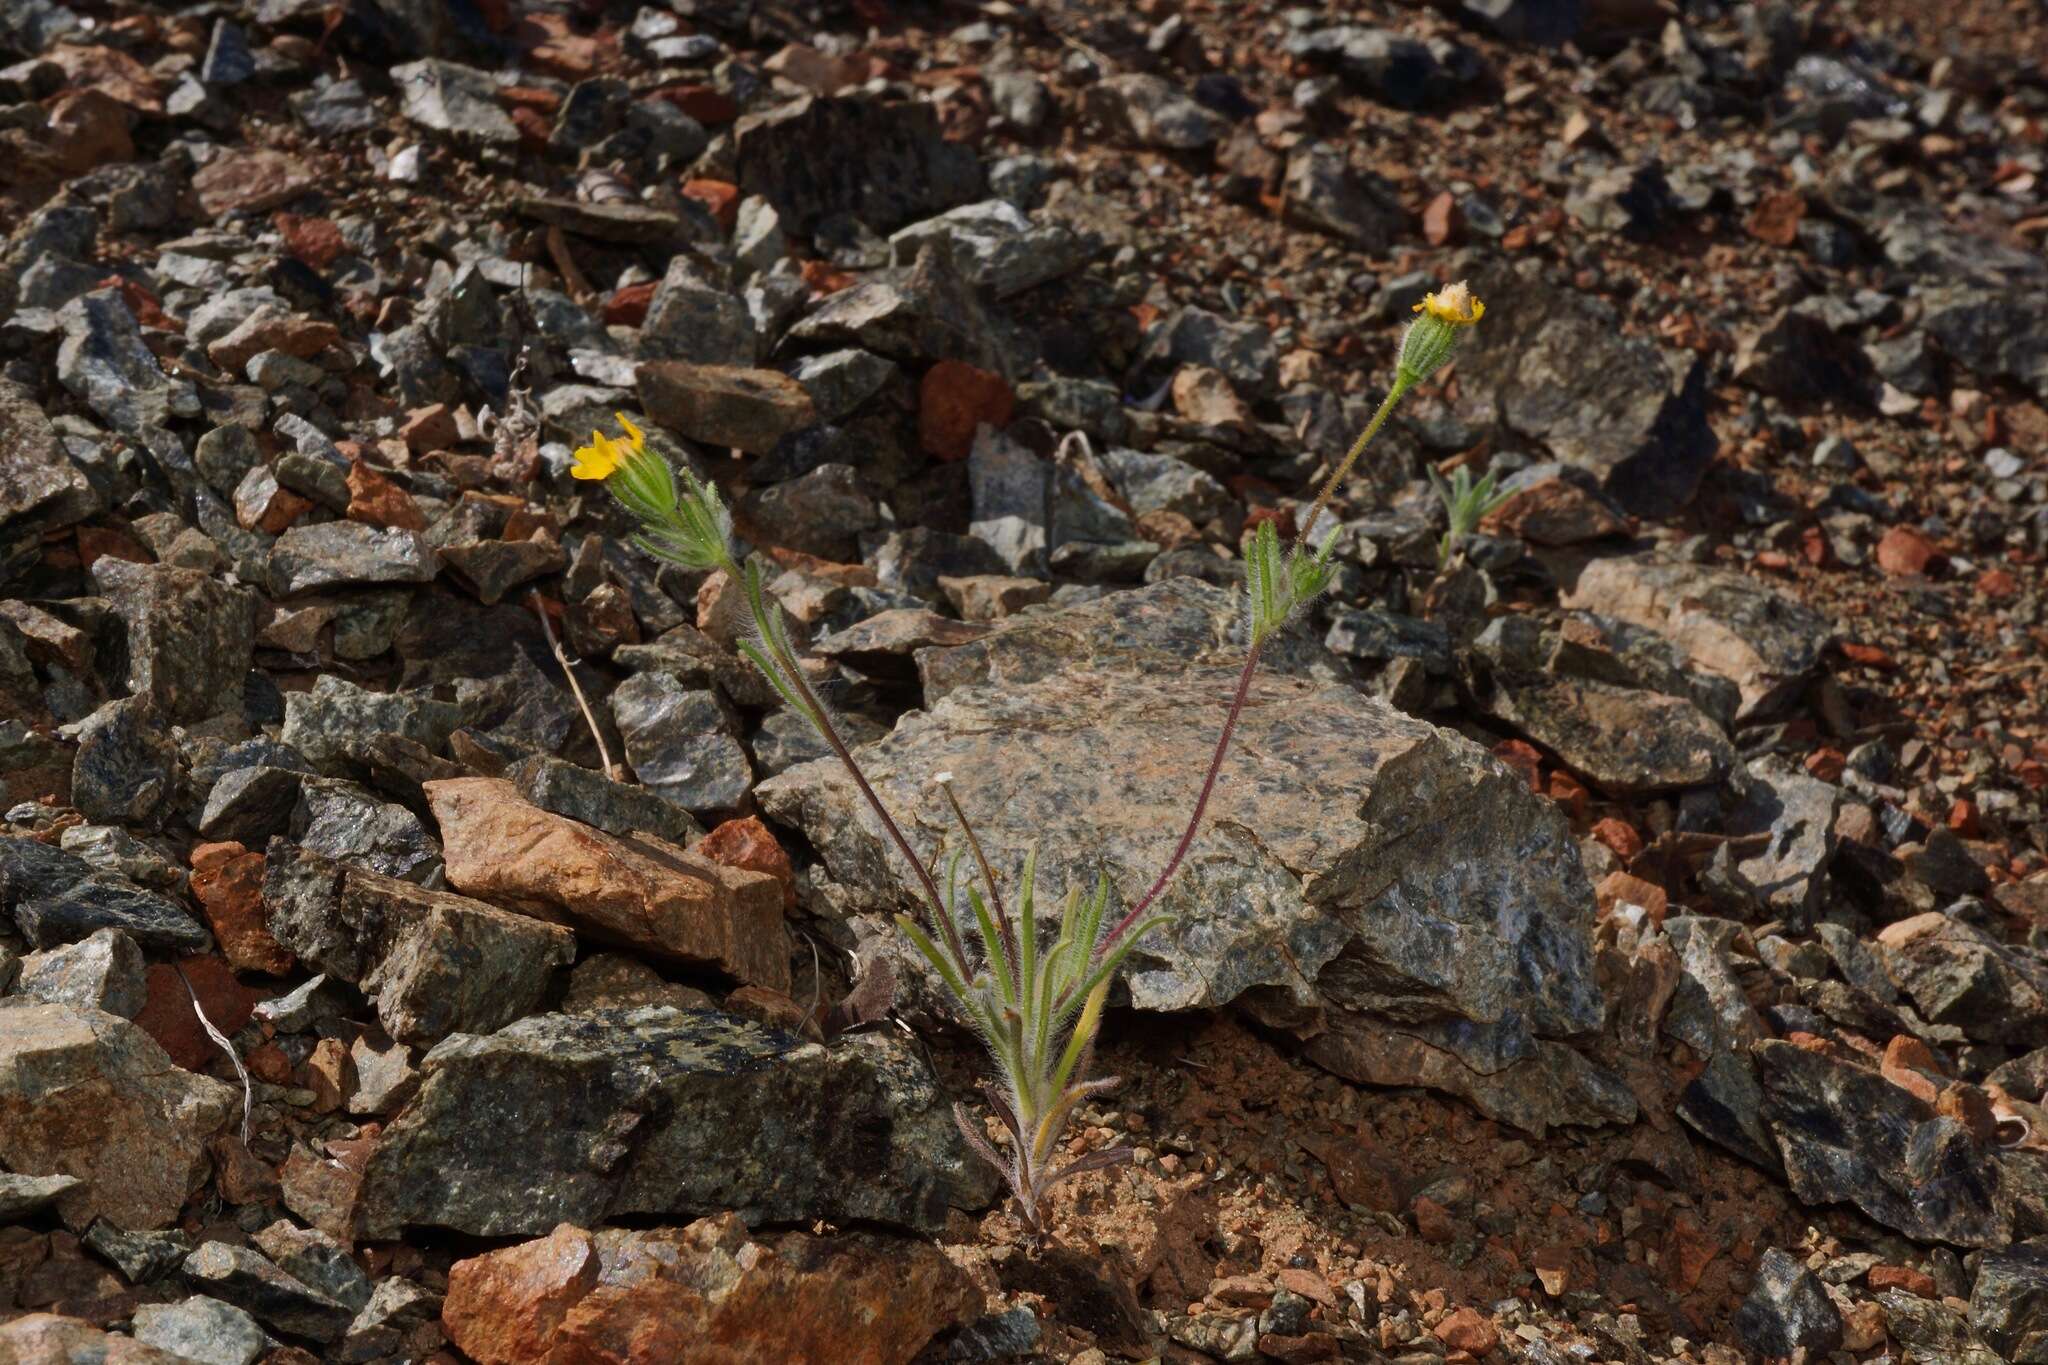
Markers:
{"x": 1187, "y": 838}
{"x": 821, "y": 721}
{"x": 1331, "y": 484}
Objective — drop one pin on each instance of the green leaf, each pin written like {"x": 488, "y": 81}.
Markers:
{"x": 992, "y": 944}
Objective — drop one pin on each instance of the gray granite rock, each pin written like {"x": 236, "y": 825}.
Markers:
{"x": 436, "y": 963}
{"x": 1178, "y": 624}
{"x": 102, "y": 971}
{"x": 321, "y": 723}
{"x": 338, "y": 554}
{"x": 1725, "y": 622}
{"x": 89, "y": 1095}
{"x": 680, "y": 742}
{"x": 1150, "y": 111}
{"x": 21, "y": 1195}
{"x": 202, "y": 1329}
{"x": 446, "y": 97}
{"x": 1351, "y": 856}
{"x": 724, "y": 1114}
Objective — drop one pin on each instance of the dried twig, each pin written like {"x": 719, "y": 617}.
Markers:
{"x": 248, "y": 1089}
{"x": 604, "y": 753}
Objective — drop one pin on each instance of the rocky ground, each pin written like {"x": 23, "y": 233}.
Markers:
{"x": 425, "y": 939}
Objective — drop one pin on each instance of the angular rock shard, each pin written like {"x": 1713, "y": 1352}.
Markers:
{"x": 636, "y": 891}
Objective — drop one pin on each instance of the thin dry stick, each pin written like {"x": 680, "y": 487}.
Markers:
{"x": 248, "y": 1089}
{"x": 604, "y": 754}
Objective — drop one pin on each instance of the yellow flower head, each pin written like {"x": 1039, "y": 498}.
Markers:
{"x": 602, "y": 457}
{"x": 1455, "y": 304}
{"x": 598, "y": 459}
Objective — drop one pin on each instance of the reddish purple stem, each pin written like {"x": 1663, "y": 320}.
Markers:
{"x": 1187, "y": 838}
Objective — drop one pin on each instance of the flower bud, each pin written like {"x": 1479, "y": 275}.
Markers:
{"x": 1434, "y": 336}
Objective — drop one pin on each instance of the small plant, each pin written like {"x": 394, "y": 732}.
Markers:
{"x": 1467, "y": 503}
{"x": 1037, "y": 1006}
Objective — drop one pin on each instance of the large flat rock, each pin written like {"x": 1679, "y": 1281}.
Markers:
{"x": 1352, "y": 856}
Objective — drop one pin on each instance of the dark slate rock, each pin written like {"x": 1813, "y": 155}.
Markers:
{"x": 1847, "y": 1135}
{"x": 885, "y": 164}
{"x": 594, "y": 799}
{"x": 1557, "y": 368}
{"x": 126, "y": 769}
{"x": 1388, "y": 67}
{"x": 141, "y": 1257}
{"x": 1787, "y": 1309}
{"x": 187, "y": 639}
{"x": 30, "y": 867}
{"x": 342, "y": 821}
{"x": 101, "y": 901}
{"x": 248, "y": 805}
{"x": 724, "y": 1114}
{"x": 2009, "y": 1305}
{"x": 680, "y": 742}
{"x": 250, "y": 1281}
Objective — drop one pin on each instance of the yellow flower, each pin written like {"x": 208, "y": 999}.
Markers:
{"x": 1455, "y": 305}
{"x": 598, "y": 459}
{"x": 638, "y": 437}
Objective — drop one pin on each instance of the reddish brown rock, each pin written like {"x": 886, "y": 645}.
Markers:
{"x": 373, "y": 498}
{"x": 1433, "y": 1221}
{"x": 89, "y": 128}
{"x": 953, "y": 400}
{"x": 721, "y": 197}
{"x": 705, "y": 1293}
{"x": 269, "y": 330}
{"x": 315, "y": 241}
{"x": 251, "y": 180}
{"x": 1465, "y": 1330}
{"x": 432, "y": 427}
{"x": 636, "y": 891}
{"x": 52, "y": 1339}
{"x": 506, "y": 1307}
{"x": 1557, "y": 511}
{"x": 747, "y": 843}
{"x": 167, "y": 1012}
{"x": 627, "y": 306}
{"x": 1203, "y": 395}
{"x": 227, "y": 881}
{"x": 1883, "y": 1277}
{"x": 1442, "y": 222}
{"x": 90, "y": 1095}
{"x": 1776, "y": 217}
{"x": 323, "y": 1190}
{"x": 1905, "y": 551}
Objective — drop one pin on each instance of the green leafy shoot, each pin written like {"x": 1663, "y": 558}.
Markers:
{"x": 1467, "y": 504}
{"x": 1038, "y": 1009}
